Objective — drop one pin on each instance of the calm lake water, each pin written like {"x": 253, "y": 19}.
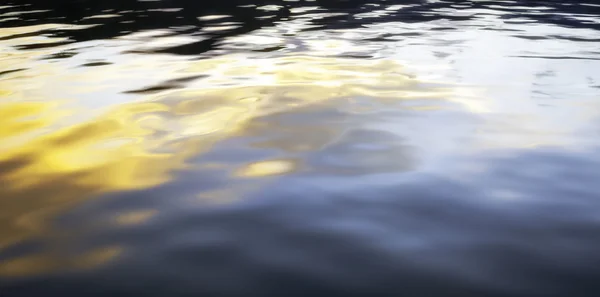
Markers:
{"x": 299, "y": 148}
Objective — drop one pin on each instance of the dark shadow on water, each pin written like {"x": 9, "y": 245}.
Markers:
{"x": 114, "y": 18}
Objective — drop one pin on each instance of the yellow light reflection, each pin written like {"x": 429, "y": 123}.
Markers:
{"x": 140, "y": 145}
{"x": 51, "y": 262}
{"x": 65, "y": 139}
{"x": 267, "y": 168}
{"x": 135, "y": 217}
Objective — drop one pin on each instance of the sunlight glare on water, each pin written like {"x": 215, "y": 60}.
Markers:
{"x": 65, "y": 139}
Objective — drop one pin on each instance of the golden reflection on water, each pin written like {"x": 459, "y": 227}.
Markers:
{"x": 135, "y": 217}
{"x": 50, "y": 262}
{"x": 58, "y": 150}
{"x": 267, "y": 168}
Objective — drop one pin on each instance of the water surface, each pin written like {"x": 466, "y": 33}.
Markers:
{"x": 299, "y": 148}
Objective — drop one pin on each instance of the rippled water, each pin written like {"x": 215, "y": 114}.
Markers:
{"x": 299, "y": 148}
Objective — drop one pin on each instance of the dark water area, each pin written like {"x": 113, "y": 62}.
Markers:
{"x": 299, "y": 148}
